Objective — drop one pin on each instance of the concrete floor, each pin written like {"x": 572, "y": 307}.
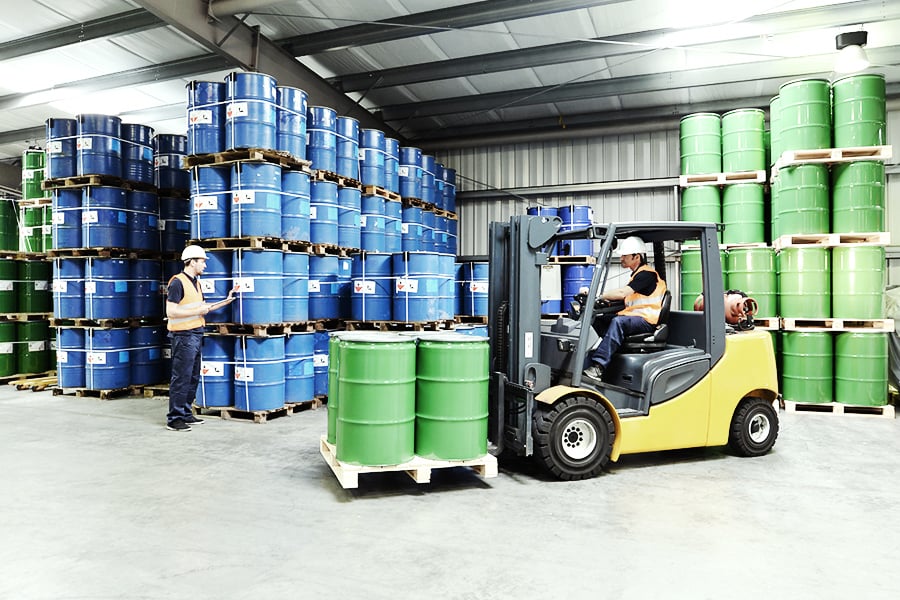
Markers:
{"x": 101, "y": 502}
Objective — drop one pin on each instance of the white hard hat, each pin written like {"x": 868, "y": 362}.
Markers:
{"x": 193, "y": 252}
{"x": 631, "y": 245}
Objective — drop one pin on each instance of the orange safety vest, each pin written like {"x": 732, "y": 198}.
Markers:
{"x": 193, "y": 298}
{"x": 647, "y": 307}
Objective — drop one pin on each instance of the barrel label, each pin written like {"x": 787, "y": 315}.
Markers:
{"x": 205, "y": 203}
{"x": 243, "y": 197}
{"x": 243, "y": 373}
{"x": 47, "y": 229}
{"x": 58, "y": 217}
{"x": 89, "y": 216}
{"x": 478, "y": 287}
{"x": 362, "y": 221}
{"x": 364, "y": 286}
{"x": 6, "y": 347}
{"x": 90, "y": 287}
{"x": 404, "y": 228}
{"x": 200, "y": 117}
{"x": 84, "y": 143}
{"x": 410, "y": 286}
{"x": 320, "y": 360}
{"x": 312, "y": 212}
{"x": 236, "y": 109}
{"x": 41, "y": 285}
{"x": 167, "y": 352}
{"x": 37, "y": 346}
{"x": 244, "y": 284}
{"x": 403, "y": 171}
{"x": 60, "y": 285}
{"x": 95, "y": 358}
{"x": 161, "y": 160}
{"x": 212, "y": 368}
{"x": 62, "y": 356}
{"x": 6, "y": 285}
{"x": 313, "y": 285}
{"x": 207, "y": 286}
{"x": 54, "y": 147}
{"x": 162, "y": 224}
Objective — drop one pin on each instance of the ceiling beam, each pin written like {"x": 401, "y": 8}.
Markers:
{"x": 126, "y": 22}
{"x": 432, "y": 21}
{"x": 619, "y": 45}
{"x": 246, "y": 48}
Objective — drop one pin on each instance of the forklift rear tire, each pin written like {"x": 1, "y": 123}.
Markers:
{"x": 574, "y": 438}
{"x": 754, "y": 428}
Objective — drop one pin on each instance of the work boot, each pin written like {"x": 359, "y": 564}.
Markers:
{"x": 178, "y": 425}
{"x": 593, "y": 372}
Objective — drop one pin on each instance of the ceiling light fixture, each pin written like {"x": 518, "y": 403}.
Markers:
{"x": 851, "y": 56}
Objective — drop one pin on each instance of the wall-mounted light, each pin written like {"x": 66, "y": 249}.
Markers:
{"x": 851, "y": 56}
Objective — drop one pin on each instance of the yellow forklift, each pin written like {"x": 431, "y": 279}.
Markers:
{"x": 692, "y": 382}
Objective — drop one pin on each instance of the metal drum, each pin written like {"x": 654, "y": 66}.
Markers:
{"x": 574, "y": 218}
{"x": 146, "y": 299}
{"x": 9, "y": 275}
{"x": 68, "y": 288}
{"x": 323, "y": 212}
{"x": 174, "y": 223}
{"x": 216, "y": 371}
{"x": 428, "y": 186}
{"x": 371, "y": 156}
{"x": 372, "y": 224}
{"x": 67, "y": 218}
{"x": 451, "y": 397}
{"x": 32, "y": 174}
{"x": 33, "y": 286}
{"x": 347, "y": 163}
{"x": 372, "y": 287}
{"x": 752, "y": 270}
{"x": 143, "y": 220}
{"x": 295, "y": 205}
{"x": 349, "y": 212}
{"x": 107, "y": 291}
{"x": 32, "y": 232}
{"x": 428, "y": 223}
{"x": 258, "y": 274}
{"x": 413, "y": 231}
{"x": 146, "y": 354}
{"x": 691, "y": 278}
{"x": 250, "y": 111}
{"x": 295, "y": 287}
{"x": 807, "y": 366}
{"x": 299, "y": 376}
{"x": 860, "y": 113}
{"x": 345, "y": 286}
{"x": 210, "y": 202}
{"x": 216, "y": 282}
{"x": 320, "y": 363}
{"x": 62, "y": 135}
{"x": 392, "y": 165}
{"x": 99, "y": 145}
{"x": 439, "y": 186}
{"x": 33, "y": 346}
{"x": 450, "y": 189}
{"x": 803, "y": 200}
{"x": 410, "y": 172}
{"x": 70, "y": 357}
{"x": 418, "y": 281}
{"x": 323, "y": 287}
{"x": 805, "y": 114}
{"x": 858, "y": 279}
{"x": 804, "y": 282}
{"x": 377, "y": 408}
{"x": 442, "y": 234}
{"x": 321, "y": 143}
{"x": 255, "y": 200}
{"x": 743, "y": 144}
{"x": 861, "y": 368}
{"x": 574, "y": 278}
{"x": 393, "y": 227}
{"x": 332, "y": 362}
{"x": 7, "y": 349}
{"x": 702, "y": 203}
{"x": 169, "y": 151}
{"x": 775, "y": 129}
{"x": 743, "y": 212}
{"x": 701, "y": 144}
{"x": 104, "y": 220}
{"x": 290, "y": 112}
{"x": 137, "y": 153}
{"x": 258, "y": 373}
{"x": 206, "y": 117}
{"x": 9, "y": 236}
{"x": 447, "y": 287}
{"x": 475, "y": 289}
{"x": 857, "y": 203}
{"x": 47, "y": 227}
{"x": 108, "y": 359}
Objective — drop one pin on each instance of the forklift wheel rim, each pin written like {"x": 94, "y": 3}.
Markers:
{"x": 758, "y": 428}
{"x": 579, "y": 439}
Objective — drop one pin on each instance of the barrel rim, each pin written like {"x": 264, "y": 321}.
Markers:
{"x": 744, "y": 110}
{"x": 373, "y": 337}
{"x": 702, "y": 114}
{"x": 804, "y": 80}
{"x": 858, "y": 76}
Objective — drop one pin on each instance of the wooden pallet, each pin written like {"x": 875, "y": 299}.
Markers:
{"x": 26, "y": 377}
{"x": 19, "y": 255}
{"x": 341, "y": 180}
{"x": 875, "y": 238}
{"x": 100, "y": 253}
{"x": 418, "y": 468}
{"x": 237, "y": 243}
{"x": 261, "y": 329}
{"x": 131, "y": 390}
{"x": 23, "y": 317}
{"x": 838, "y": 325}
{"x": 282, "y": 159}
{"x": 331, "y": 250}
{"x": 722, "y": 178}
{"x": 415, "y": 202}
{"x": 35, "y": 202}
{"x": 80, "y": 181}
{"x": 738, "y": 246}
{"x": 836, "y": 408}
{"x": 256, "y": 416}
{"x": 36, "y": 384}
{"x": 446, "y": 214}
{"x": 400, "y": 325}
{"x": 374, "y": 190}
{"x": 790, "y": 158}
{"x": 152, "y": 391}
{"x": 329, "y": 324}
{"x": 295, "y": 246}
{"x": 572, "y": 260}
{"x": 767, "y": 323}
{"x": 830, "y": 240}
{"x": 471, "y": 319}
{"x": 106, "y": 323}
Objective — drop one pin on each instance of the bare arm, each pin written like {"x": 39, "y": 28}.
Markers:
{"x": 176, "y": 311}
{"x": 617, "y": 294}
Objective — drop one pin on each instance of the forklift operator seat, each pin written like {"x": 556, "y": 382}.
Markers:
{"x": 655, "y": 340}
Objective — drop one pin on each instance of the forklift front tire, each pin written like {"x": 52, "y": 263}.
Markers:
{"x": 754, "y": 428}
{"x": 574, "y": 438}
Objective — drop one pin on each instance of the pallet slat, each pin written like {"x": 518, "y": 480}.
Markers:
{"x": 836, "y": 408}
{"x": 248, "y": 155}
{"x": 722, "y": 178}
{"x": 830, "y": 240}
{"x": 835, "y": 324}
{"x": 257, "y": 416}
{"x": 831, "y": 156}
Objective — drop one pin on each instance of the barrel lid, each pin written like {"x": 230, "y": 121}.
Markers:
{"x": 700, "y": 114}
{"x": 743, "y": 110}
{"x": 373, "y": 337}
{"x": 456, "y": 338}
{"x": 859, "y": 76}
{"x": 804, "y": 80}
{"x": 775, "y": 98}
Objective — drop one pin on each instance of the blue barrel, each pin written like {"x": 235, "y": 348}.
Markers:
{"x": 371, "y": 156}
{"x": 174, "y": 223}
{"x": 258, "y": 274}
{"x": 323, "y": 287}
{"x": 450, "y": 189}
{"x": 255, "y": 200}
{"x": 258, "y": 373}
{"x": 392, "y": 165}
{"x": 418, "y": 285}
{"x": 216, "y": 371}
{"x": 295, "y": 204}
{"x": 428, "y": 223}
{"x": 70, "y": 357}
{"x": 350, "y": 207}
{"x": 428, "y": 187}
{"x": 67, "y": 218}
{"x": 575, "y": 217}
{"x": 169, "y": 151}
{"x": 475, "y": 289}
{"x": 371, "y": 224}
{"x": 290, "y": 112}
{"x": 474, "y": 330}
{"x": 460, "y": 279}
{"x": 206, "y": 117}
{"x": 372, "y": 287}
{"x": 137, "y": 153}
{"x": 447, "y": 289}
{"x": 323, "y": 212}
{"x": 210, "y": 202}
{"x": 99, "y": 145}
{"x": 107, "y": 363}
{"x": 320, "y": 362}
{"x": 321, "y": 142}
{"x": 146, "y": 355}
{"x": 347, "y": 147}
{"x": 143, "y": 220}
{"x": 68, "y": 288}
{"x": 104, "y": 220}
{"x": 345, "y": 286}
{"x": 250, "y": 111}
{"x": 215, "y": 284}
{"x": 575, "y": 277}
{"x": 295, "y": 287}
{"x": 62, "y": 135}
{"x": 410, "y": 172}
{"x": 146, "y": 299}
{"x": 439, "y": 186}
{"x": 107, "y": 291}
{"x": 299, "y": 374}
{"x": 393, "y": 226}
{"x": 413, "y": 231}
{"x": 452, "y": 225}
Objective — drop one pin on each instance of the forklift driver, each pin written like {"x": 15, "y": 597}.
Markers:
{"x": 643, "y": 297}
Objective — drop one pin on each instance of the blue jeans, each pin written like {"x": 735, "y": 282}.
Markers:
{"x": 186, "y": 347}
{"x": 617, "y": 330}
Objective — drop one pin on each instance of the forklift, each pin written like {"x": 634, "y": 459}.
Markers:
{"x": 692, "y": 382}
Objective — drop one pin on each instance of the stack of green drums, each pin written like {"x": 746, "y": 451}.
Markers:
{"x": 8, "y": 305}
{"x": 35, "y": 210}
{"x": 9, "y": 236}
{"x": 32, "y": 174}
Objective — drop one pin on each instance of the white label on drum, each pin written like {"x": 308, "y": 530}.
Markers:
{"x": 313, "y": 285}
{"x": 403, "y": 171}
{"x": 95, "y": 358}
{"x": 161, "y": 161}
{"x": 6, "y": 285}
{"x": 90, "y": 287}
{"x": 243, "y": 197}
{"x": 161, "y": 224}
{"x": 362, "y": 221}
{"x": 62, "y": 356}
{"x": 47, "y": 229}
{"x": 37, "y": 346}
{"x": 6, "y": 347}
{"x": 60, "y": 285}
{"x": 205, "y": 203}
{"x": 243, "y": 374}
{"x": 409, "y": 286}
{"x": 212, "y": 368}
{"x": 41, "y": 286}
{"x": 84, "y": 143}
{"x": 404, "y": 228}
{"x": 207, "y": 286}
{"x": 364, "y": 286}
{"x": 244, "y": 284}
{"x": 200, "y": 117}
{"x": 312, "y": 212}
{"x": 362, "y": 154}
{"x": 236, "y": 109}
{"x": 167, "y": 352}
{"x": 320, "y": 360}
{"x": 59, "y": 217}
{"x": 89, "y": 216}
{"x": 54, "y": 147}
{"x": 478, "y": 286}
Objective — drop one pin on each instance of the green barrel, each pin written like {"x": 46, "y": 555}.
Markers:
{"x": 32, "y": 174}
{"x": 33, "y": 346}
{"x": 807, "y": 368}
{"x": 774, "y": 129}
{"x": 803, "y": 201}
{"x": 752, "y": 270}
{"x": 860, "y": 113}
{"x": 8, "y": 348}
{"x": 804, "y": 282}
{"x": 701, "y": 144}
{"x": 47, "y": 227}
{"x": 805, "y": 119}
{"x": 334, "y": 352}
{"x": 743, "y": 140}
{"x": 9, "y": 225}
{"x": 33, "y": 287}
{"x": 701, "y": 203}
{"x": 857, "y": 203}
{"x": 32, "y": 231}
{"x": 744, "y": 213}
{"x": 9, "y": 272}
{"x": 692, "y": 276}
{"x": 452, "y": 397}
{"x": 857, "y": 282}
{"x": 861, "y": 368}
{"x": 377, "y": 391}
